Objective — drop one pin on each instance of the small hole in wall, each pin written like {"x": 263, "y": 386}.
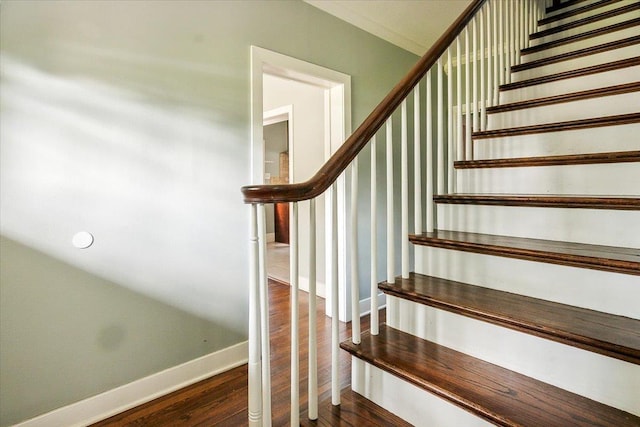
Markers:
{"x": 82, "y": 240}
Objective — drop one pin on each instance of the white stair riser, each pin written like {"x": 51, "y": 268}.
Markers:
{"x": 579, "y": 371}
{"x": 572, "y": 64}
{"x": 581, "y": 44}
{"x": 595, "y": 179}
{"x": 583, "y": 15}
{"x": 593, "y": 289}
{"x": 593, "y": 140}
{"x": 592, "y": 226}
{"x": 588, "y": 27}
{"x": 575, "y": 110}
{"x": 577, "y": 84}
{"x": 568, "y": 8}
{"x": 411, "y": 403}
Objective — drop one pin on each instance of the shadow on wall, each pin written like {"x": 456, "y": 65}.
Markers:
{"x": 66, "y": 334}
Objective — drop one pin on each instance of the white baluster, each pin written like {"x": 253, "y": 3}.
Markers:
{"x": 487, "y": 29}
{"x": 429, "y": 156}
{"x": 332, "y": 243}
{"x": 355, "y": 281}
{"x": 483, "y": 82}
{"x": 496, "y": 54}
{"x": 313, "y": 334}
{"x": 390, "y": 230}
{"x": 417, "y": 167}
{"x": 467, "y": 96}
{"x": 459, "y": 136}
{"x": 264, "y": 318}
{"x": 404, "y": 191}
{"x": 440, "y": 132}
{"x": 374, "y": 241}
{"x": 501, "y": 18}
{"x": 295, "y": 350}
{"x": 512, "y": 34}
{"x": 450, "y": 145}
{"x": 254, "y": 367}
{"x": 474, "y": 107}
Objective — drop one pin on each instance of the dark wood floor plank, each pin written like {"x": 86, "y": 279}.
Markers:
{"x": 222, "y": 400}
{"x": 598, "y": 257}
{"x": 500, "y": 396}
{"x": 354, "y": 410}
{"x": 603, "y": 333}
{"x": 570, "y": 159}
{"x": 545, "y": 201}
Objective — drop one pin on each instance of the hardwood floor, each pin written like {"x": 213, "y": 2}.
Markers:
{"x": 222, "y": 400}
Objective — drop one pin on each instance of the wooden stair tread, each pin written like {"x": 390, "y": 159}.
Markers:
{"x": 603, "y": 333}
{"x": 568, "y": 97}
{"x": 354, "y": 410}
{"x": 494, "y": 393}
{"x": 616, "y": 120}
{"x": 552, "y": 201}
{"x": 576, "y": 11}
{"x": 585, "y": 71}
{"x": 567, "y": 159}
{"x": 591, "y": 50}
{"x": 587, "y": 20}
{"x": 582, "y": 36}
{"x": 598, "y": 257}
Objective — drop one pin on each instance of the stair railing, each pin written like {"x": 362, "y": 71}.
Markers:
{"x": 474, "y": 55}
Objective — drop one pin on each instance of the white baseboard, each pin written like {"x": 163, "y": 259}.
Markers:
{"x": 365, "y": 304}
{"x": 120, "y": 399}
{"x": 271, "y": 237}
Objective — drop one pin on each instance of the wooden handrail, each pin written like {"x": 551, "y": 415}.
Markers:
{"x": 330, "y": 171}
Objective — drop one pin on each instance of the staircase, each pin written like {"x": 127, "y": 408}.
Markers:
{"x": 523, "y": 308}
{"x": 524, "y": 305}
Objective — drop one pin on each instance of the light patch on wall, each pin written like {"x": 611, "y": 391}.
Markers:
{"x": 152, "y": 179}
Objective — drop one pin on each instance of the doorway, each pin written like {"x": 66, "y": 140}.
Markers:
{"x": 276, "y": 131}
{"x": 334, "y": 120}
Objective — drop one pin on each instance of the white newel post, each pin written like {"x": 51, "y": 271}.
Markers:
{"x": 254, "y": 368}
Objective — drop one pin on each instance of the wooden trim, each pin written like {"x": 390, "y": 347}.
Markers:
{"x": 494, "y": 393}
{"x": 574, "y": 202}
{"x": 569, "y": 97}
{"x": 585, "y": 21}
{"x": 591, "y": 50}
{"x": 560, "y": 126}
{"x": 603, "y": 333}
{"x": 330, "y": 171}
{"x": 597, "y": 257}
{"x": 571, "y": 159}
{"x": 576, "y": 11}
{"x": 594, "y": 69}
{"x": 582, "y": 36}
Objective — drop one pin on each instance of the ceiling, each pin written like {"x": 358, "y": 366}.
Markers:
{"x": 413, "y": 25}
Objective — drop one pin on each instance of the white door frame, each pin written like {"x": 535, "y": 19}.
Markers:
{"x": 337, "y": 107}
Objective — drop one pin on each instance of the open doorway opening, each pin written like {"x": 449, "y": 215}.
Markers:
{"x": 326, "y": 129}
{"x": 276, "y": 131}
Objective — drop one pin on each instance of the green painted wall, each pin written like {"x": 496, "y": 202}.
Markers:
{"x": 130, "y": 120}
